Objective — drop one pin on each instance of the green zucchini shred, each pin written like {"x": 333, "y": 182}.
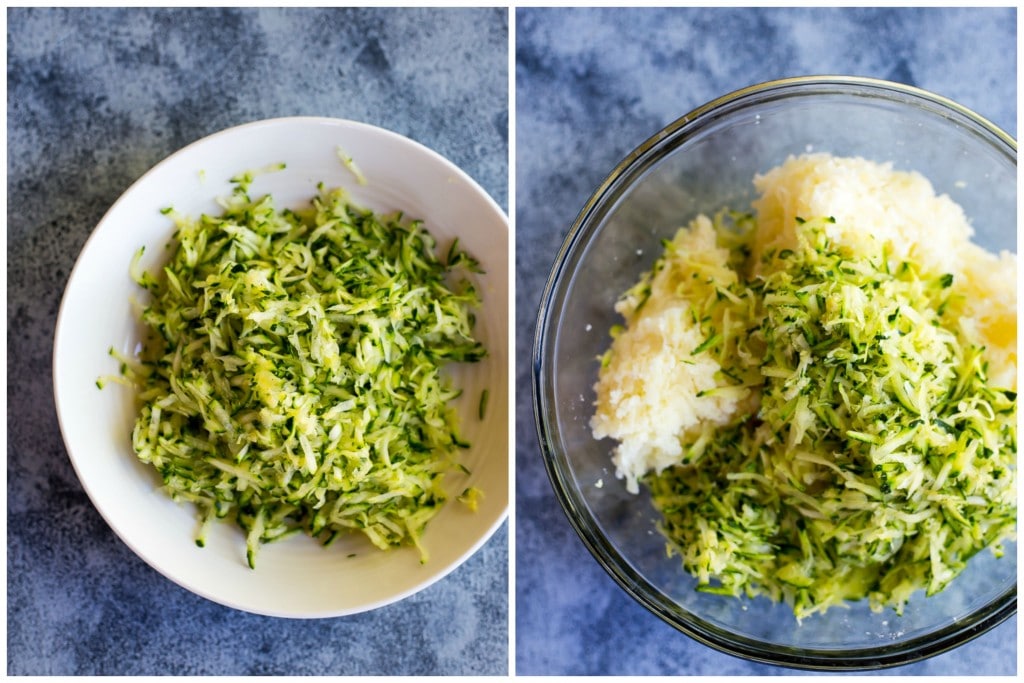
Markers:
{"x": 482, "y": 406}
{"x": 880, "y": 459}
{"x": 291, "y": 379}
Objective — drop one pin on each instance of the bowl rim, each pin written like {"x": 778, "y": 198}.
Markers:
{"x": 60, "y": 331}
{"x": 635, "y": 585}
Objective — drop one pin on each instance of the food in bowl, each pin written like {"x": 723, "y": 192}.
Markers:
{"x": 820, "y": 395}
{"x": 291, "y": 377}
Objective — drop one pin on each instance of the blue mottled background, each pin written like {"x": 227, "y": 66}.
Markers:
{"x": 95, "y": 98}
{"x": 591, "y": 84}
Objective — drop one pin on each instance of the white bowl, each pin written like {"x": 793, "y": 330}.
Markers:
{"x": 294, "y": 577}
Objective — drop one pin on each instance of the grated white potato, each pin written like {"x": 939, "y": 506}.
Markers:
{"x": 652, "y": 392}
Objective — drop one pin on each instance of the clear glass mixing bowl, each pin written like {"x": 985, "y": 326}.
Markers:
{"x": 698, "y": 164}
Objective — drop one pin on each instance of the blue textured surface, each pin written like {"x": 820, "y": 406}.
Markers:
{"x": 97, "y": 97}
{"x": 591, "y": 84}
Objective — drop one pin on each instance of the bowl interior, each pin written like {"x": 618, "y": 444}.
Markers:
{"x": 295, "y": 577}
{"x": 698, "y": 165}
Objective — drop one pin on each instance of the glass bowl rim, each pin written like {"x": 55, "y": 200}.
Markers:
{"x": 635, "y": 585}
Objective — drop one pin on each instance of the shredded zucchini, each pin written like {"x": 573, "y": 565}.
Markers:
{"x": 292, "y": 374}
{"x": 879, "y": 458}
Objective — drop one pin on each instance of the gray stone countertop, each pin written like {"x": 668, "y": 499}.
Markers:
{"x": 591, "y": 84}
{"x": 95, "y": 98}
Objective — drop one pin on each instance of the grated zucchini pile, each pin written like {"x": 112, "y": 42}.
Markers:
{"x": 878, "y": 459}
{"x": 292, "y": 375}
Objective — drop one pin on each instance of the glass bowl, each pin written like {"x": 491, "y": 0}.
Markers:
{"x": 698, "y": 164}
